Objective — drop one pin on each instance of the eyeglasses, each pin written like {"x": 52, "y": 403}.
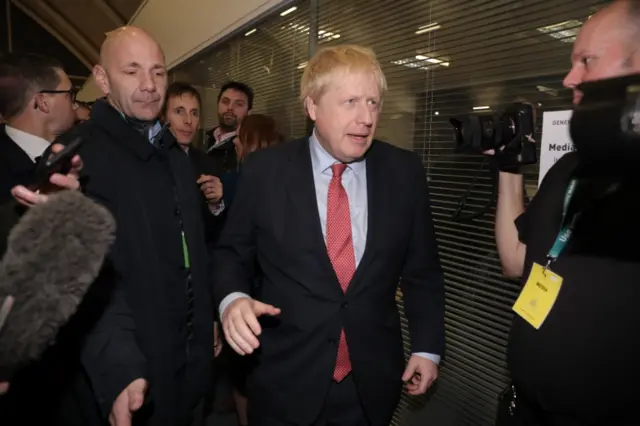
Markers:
{"x": 73, "y": 92}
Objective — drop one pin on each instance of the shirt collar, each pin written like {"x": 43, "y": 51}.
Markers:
{"x": 154, "y": 131}
{"x": 220, "y": 137}
{"x": 32, "y": 145}
{"x": 321, "y": 160}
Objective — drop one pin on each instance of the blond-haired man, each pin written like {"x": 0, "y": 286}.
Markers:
{"x": 343, "y": 221}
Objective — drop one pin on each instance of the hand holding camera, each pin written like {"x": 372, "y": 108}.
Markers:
{"x": 506, "y": 135}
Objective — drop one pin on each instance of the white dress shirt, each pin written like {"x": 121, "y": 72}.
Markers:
{"x": 32, "y": 145}
{"x": 354, "y": 181}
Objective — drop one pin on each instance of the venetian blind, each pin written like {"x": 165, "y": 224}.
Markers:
{"x": 266, "y": 56}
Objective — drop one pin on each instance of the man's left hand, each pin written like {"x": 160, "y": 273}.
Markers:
{"x": 419, "y": 375}
{"x": 58, "y": 182}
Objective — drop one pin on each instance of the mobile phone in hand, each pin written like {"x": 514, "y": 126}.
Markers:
{"x": 59, "y": 162}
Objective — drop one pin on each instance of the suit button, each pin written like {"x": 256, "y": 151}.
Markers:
{"x": 345, "y": 305}
{"x": 176, "y": 212}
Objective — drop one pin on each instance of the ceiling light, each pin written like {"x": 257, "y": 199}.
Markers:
{"x": 421, "y": 62}
{"x": 429, "y": 27}
{"x": 288, "y": 11}
{"x": 323, "y": 35}
{"x": 478, "y": 108}
{"x": 248, "y": 33}
{"x": 564, "y": 31}
{"x": 326, "y": 35}
{"x": 302, "y": 65}
{"x": 547, "y": 90}
{"x": 432, "y": 60}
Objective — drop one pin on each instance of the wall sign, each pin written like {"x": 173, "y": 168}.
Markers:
{"x": 556, "y": 140}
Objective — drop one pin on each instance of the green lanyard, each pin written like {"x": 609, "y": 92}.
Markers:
{"x": 185, "y": 251}
{"x": 565, "y": 232}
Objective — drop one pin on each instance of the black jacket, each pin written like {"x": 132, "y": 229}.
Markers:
{"x": 16, "y": 168}
{"x": 204, "y": 165}
{"x": 143, "y": 332}
{"x": 223, "y": 155}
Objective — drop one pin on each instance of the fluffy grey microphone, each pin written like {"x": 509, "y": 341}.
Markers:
{"x": 53, "y": 255}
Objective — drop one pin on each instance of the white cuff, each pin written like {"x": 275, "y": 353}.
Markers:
{"x": 433, "y": 357}
{"x": 228, "y": 299}
{"x": 217, "y": 209}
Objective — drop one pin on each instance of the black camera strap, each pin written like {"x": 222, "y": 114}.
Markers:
{"x": 458, "y": 215}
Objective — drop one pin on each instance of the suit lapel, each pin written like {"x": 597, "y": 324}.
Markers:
{"x": 303, "y": 219}
{"x": 302, "y": 209}
{"x": 377, "y": 196}
{"x": 17, "y": 160}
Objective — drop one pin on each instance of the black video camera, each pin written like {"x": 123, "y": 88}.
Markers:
{"x": 605, "y": 126}
{"x": 509, "y": 133}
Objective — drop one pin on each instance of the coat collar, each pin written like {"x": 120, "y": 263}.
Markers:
{"x": 111, "y": 121}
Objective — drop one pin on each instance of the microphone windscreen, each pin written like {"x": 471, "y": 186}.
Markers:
{"x": 53, "y": 255}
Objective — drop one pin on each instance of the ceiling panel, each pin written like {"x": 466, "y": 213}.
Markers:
{"x": 80, "y": 25}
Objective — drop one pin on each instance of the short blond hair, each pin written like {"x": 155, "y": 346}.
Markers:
{"x": 347, "y": 57}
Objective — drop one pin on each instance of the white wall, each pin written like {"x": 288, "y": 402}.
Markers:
{"x": 184, "y": 29}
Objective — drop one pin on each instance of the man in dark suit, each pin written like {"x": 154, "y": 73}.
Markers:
{"x": 235, "y": 102}
{"x": 36, "y": 102}
{"x": 335, "y": 221}
{"x": 181, "y": 111}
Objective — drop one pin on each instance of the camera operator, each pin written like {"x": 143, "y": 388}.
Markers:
{"x": 575, "y": 362}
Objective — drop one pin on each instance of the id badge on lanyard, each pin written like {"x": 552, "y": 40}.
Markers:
{"x": 541, "y": 290}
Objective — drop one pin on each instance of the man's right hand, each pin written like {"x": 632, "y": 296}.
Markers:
{"x": 128, "y": 402}
{"x": 70, "y": 181}
{"x": 241, "y": 326}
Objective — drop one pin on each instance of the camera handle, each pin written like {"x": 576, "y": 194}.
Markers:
{"x": 458, "y": 215}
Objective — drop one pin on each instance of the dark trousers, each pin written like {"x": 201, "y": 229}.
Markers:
{"x": 342, "y": 408}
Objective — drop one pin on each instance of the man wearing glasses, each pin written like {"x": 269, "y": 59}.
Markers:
{"x": 37, "y": 103}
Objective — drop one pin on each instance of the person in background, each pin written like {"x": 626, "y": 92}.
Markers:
{"x": 235, "y": 102}
{"x": 576, "y": 363}
{"x": 256, "y": 132}
{"x": 37, "y": 104}
{"x": 182, "y": 112}
{"x": 83, "y": 111}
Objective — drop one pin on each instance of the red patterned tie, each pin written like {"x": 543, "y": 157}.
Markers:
{"x": 341, "y": 254}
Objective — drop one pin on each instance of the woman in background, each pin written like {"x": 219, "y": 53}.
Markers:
{"x": 256, "y": 132}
